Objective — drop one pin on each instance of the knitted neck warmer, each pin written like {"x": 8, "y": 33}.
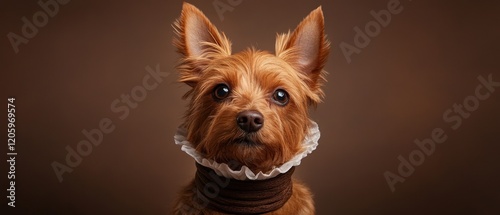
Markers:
{"x": 243, "y": 197}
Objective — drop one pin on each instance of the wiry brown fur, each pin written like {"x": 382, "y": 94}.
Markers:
{"x": 253, "y": 76}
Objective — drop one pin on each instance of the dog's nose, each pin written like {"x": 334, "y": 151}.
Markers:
{"x": 250, "y": 120}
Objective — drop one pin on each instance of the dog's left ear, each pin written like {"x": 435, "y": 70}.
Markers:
{"x": 306, "y": 49}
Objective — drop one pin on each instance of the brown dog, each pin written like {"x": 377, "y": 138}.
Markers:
{"x": 248, "y": 117}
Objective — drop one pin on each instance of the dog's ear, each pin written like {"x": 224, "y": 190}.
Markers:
{"x": 199, "y": 41}
{"x": 306, "y": 49}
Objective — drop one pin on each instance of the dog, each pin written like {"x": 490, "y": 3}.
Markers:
{"x": 247, "y": 124}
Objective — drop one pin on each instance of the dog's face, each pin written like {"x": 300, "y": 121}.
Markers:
{"x": 249, "y": 108}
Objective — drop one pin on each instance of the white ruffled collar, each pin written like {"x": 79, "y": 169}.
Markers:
{"x": 309, "y": 144}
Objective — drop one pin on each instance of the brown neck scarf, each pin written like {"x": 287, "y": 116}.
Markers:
{"x": 243, "y": 196}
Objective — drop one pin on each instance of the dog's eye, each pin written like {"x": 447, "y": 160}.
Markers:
{"x": 280, "y": 97}
{"x": 221, "y": 91}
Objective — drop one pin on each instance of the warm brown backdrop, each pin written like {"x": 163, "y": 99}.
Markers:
{"x": 394, "y": 91}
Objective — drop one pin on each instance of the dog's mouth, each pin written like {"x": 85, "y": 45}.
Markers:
{"x": 246, "y": 141}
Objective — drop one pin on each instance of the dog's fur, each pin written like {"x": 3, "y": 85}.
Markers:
{"x": 253, "y": 77}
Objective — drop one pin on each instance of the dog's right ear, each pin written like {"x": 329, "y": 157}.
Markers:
{"x": 199, "y": 41}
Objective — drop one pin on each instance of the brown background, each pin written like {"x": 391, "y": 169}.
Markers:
{"x": 394, "y": 91}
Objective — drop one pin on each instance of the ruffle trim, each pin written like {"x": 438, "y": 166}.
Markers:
{"x": 309, "y": 144}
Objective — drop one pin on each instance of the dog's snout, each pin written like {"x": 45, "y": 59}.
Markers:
{"x": 250, "y": 121}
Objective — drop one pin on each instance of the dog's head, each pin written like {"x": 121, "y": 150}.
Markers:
{"x": 250, "y": 107}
